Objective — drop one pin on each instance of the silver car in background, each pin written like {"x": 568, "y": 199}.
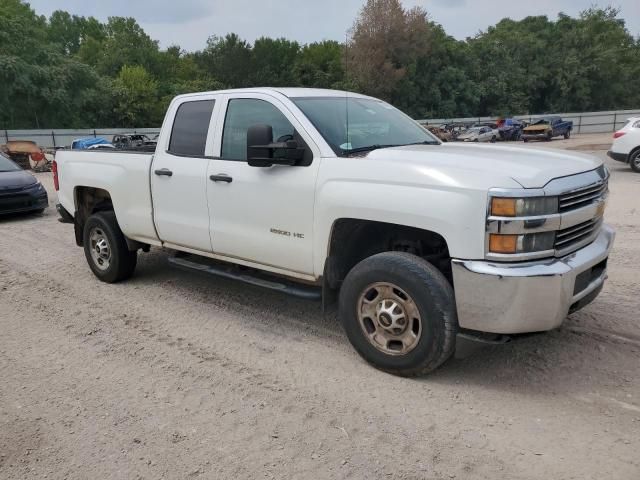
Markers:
{"x": 479, "y": 134}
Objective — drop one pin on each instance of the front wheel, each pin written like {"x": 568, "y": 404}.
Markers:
{"x": 106, "y": 249}
{"x": 567, "y": 135}
{"x": 493, "y": 139}
{"x": 398, "y": 312}
{"x": 634, "y": 161}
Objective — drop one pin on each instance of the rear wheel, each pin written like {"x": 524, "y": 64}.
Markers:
{"x": 634, "y": 161}
{"x": 106, "y": 249}
{"x": 567, "y": 135}
{"x": 399, "y": 313}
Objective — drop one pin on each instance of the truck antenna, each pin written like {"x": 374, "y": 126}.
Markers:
{"x": 346, "y": 77}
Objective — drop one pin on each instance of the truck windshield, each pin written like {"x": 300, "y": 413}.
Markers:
{"x": 352, "y": 124}
{"x": 7, "y": 165}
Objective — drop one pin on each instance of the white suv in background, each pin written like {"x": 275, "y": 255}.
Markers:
{"x": 626, "y": 144}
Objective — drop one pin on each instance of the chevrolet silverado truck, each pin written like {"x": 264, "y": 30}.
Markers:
{"x": 326, "y": 194}
{"x": 546, "y": 128}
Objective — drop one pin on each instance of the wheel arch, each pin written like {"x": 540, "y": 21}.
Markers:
{"x": 352, "y": 240}
{"x": 632, "y": 153}
{"x": 87, "y": 201}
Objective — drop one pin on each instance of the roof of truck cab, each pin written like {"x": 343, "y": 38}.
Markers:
{"x": 287, "y": 92}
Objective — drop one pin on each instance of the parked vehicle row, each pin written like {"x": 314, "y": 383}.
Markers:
{"x": 626, "y": 144}
{"x": 509, "y": 129}
{"x": 422, "y": 242}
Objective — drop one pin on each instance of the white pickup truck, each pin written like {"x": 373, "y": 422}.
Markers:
{"x": 319, "y": 192}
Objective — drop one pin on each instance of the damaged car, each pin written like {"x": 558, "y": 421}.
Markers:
{"x": 546, "y": 128}
{"x": 479, "y": 134}
{"x": 510, "y": 129}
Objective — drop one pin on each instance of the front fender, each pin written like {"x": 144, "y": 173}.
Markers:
{"x": 458, "y": 214}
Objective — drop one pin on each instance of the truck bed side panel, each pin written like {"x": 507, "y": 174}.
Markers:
{"x": 124, "y": 175}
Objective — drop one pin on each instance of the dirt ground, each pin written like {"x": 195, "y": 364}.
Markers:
{"x": 174, "y": 375}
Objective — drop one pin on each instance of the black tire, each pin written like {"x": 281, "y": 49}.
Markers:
{"x": 634, "y": 161}
{"x": 525, "y": 140}
{"x": 122, "y": 262}
{"x": 493, "y": 139}
{"x": 430, "y": 292}
{"x": 567, "y": 135}
{"x": 549, "y": 136}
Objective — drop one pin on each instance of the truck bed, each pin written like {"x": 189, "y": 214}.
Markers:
{"x": 124, "y": 174}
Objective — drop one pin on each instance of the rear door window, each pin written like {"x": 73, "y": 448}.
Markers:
{"x": 190, "y": 128}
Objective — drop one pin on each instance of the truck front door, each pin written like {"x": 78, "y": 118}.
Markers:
{"x": 262, "y": 214}
{"x": 179, "y": 175}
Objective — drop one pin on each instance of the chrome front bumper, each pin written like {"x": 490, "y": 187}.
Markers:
{"x": 533, "y": 296}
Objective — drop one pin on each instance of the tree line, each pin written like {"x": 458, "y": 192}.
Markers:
{"x": 69, "y": 71}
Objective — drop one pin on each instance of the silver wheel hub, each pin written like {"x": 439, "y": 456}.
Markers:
{"x": 389, "y": 318}
{"x": 99, "y": 248}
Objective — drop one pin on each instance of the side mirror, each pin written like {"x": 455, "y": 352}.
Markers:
{"x": 262, "y": 152}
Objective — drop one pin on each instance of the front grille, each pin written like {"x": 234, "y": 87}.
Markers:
{"x": 582, "y": 197}
{"x": 568, "y": 237}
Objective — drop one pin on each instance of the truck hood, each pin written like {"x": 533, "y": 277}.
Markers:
{"x": 489, "y": 165}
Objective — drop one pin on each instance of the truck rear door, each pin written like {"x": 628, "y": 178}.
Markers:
{"x": 179, "y": 174}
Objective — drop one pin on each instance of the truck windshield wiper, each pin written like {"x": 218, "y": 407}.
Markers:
{"x": 368, "y": 148}
{"x": 426, "y": 142}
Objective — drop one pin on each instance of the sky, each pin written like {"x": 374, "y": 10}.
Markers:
{"x": 189, "y": 23}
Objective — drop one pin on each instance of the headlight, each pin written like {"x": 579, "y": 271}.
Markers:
{"x": 36, "y": 188}
{"x": 523, "y": 207}
{"x": 526, "y": 243}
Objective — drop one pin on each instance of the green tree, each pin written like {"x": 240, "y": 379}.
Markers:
{"x": 124, "y": 43}
{"x": 273, "y": 61}
{"x": 227, "y": 59}
{"x": 320, "y": 64}
{"x": 70, "y": 32}
{"x": 136, "y": 97}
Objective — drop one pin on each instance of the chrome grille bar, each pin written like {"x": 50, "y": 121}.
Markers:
{"x": 581, "y": 197}
{"x": 566, "y": 238}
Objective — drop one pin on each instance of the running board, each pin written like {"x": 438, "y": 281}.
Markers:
{"x": 255, "y": 278}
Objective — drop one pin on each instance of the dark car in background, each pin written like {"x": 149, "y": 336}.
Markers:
{"x": 510, "y": 129}
{"x": 19, "y": 190}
